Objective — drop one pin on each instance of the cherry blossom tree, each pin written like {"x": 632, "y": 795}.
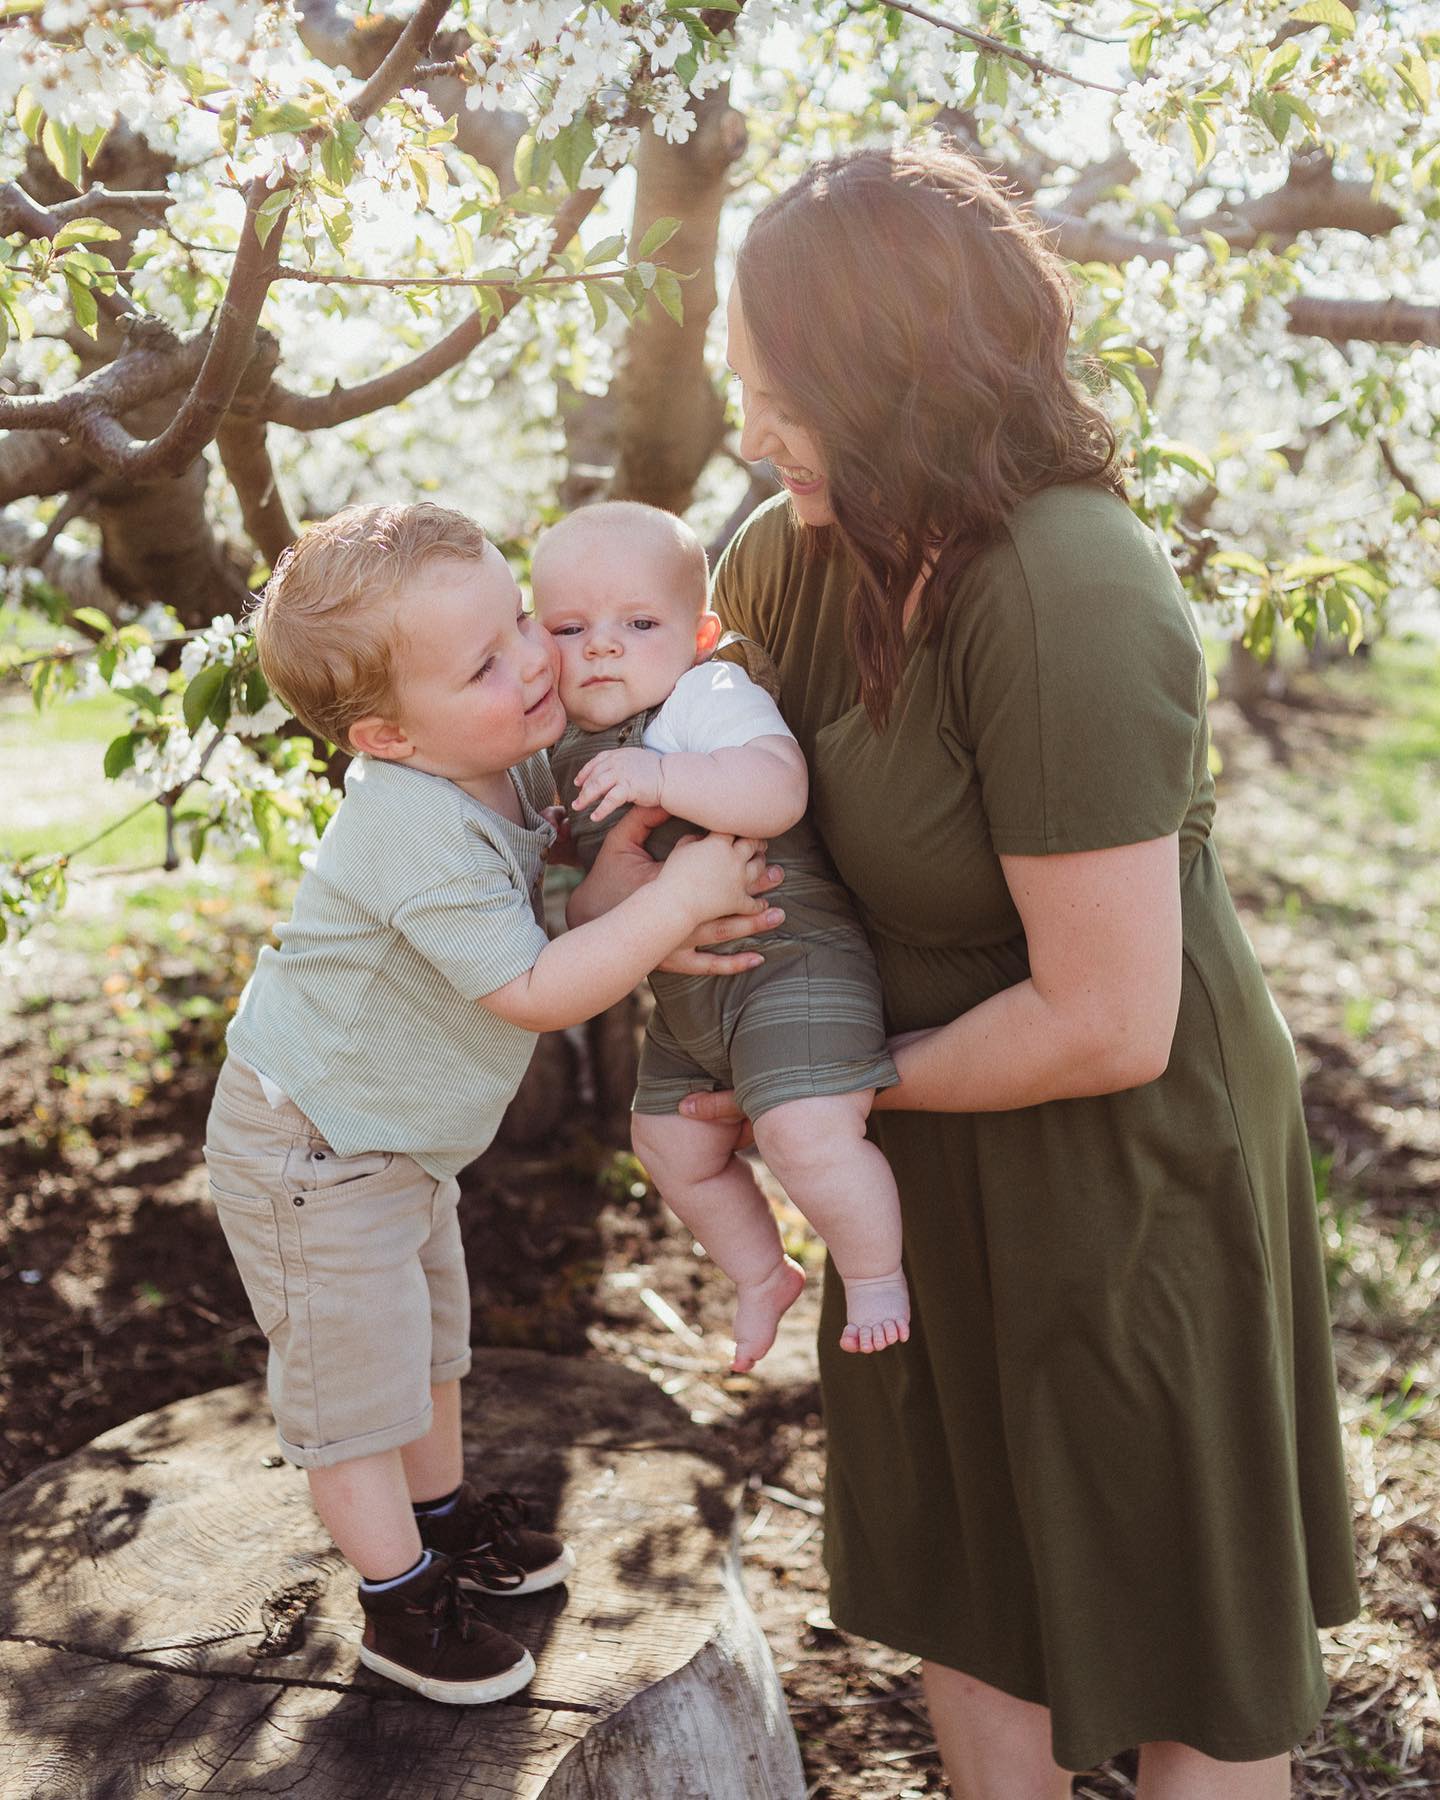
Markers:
{"x": 259, "y": 258}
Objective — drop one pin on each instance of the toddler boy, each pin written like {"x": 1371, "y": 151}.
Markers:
{"x": 373, "y": 1054}
{"x": 654, "y": 721}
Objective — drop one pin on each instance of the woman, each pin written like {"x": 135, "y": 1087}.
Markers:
{"x": 1100, "y": 1490}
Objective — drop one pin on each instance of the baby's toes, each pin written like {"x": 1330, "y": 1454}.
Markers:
{"x": 850, "y": 1338}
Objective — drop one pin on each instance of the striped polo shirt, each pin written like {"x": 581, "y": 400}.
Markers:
{"x": 420, "y": 899}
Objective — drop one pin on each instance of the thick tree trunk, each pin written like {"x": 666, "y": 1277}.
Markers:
{"x": 671, "y": 417}
{"x": 173, "y": 1620}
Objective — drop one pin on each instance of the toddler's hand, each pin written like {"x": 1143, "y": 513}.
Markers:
{"x": 615, "y": 777}
{"x": 714, "y": 874}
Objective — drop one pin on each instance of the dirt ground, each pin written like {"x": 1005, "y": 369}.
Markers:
{"x": 117, "y": 1295}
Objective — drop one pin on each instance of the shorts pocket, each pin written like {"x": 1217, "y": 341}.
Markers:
{"x": 323, "y": 1174}
{"x": 246, "y": 1211}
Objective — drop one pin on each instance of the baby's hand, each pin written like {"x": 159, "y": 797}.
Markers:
{"x": 615, "y": 777}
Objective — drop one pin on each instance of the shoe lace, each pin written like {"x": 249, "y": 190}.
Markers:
{"x": 452, "y": 1608}
{"x": 500, "y": 1513}
{"x": 485, "y": 1566}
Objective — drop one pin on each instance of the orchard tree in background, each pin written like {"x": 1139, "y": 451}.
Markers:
{"x": 261, "y": 258}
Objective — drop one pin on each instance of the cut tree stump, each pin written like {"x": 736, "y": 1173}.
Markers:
{"x": 174, "y": 1621}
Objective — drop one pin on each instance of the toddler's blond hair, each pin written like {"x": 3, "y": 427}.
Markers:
{"x": 326, "y": 628}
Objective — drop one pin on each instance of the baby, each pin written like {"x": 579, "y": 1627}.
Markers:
{"x": 654, "y": 721}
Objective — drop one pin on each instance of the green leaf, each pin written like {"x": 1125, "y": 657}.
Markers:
{"x": 1338, "y": 17}
{"x": 202, "y": 693}
{"x": 82, "y": 302}
{"x": 488, "y": 304}
{"x": 659, "y": 234}
{"x": 84, "y": 231}
{"x": 1239, "y": 560}
{"x": 270, "y": 211}
{"x": 257, "y": 691}
{"x": 599, "y": 306}
{"x": 573, "y": 149}
{"x": 29, "y": 115}
{"x": 267, "y": 821}
{"x": 1185, "y": 456}
{"x": 1140, "y": 50}
{"x": 1414, "y": 73}
{"x": 119, "y": 755}
{"x": 1218, "y": 247}
{"x": 61, "y": 144}
{"x": 667, "y": 292}
{"x": 605, "y": 251}
{"x": 94, "y": 618}
{"x": 1133, "y": 386}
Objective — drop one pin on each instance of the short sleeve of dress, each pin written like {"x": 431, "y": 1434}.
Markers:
{"x": 752, "y": 577}
{"x": 1078, "y": 681}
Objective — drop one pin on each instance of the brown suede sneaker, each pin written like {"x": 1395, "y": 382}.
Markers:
{"x": 497, "y": 1523}
{"x": 428, "y": 1634}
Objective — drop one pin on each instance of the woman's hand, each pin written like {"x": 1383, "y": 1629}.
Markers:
{"x": 561, "y": 854}
{"x": 719, "y": 1106}
{"x": 623, "y": 866}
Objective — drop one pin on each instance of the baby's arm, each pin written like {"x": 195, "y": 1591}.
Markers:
{"x": 759, "y": 788}
{"x": 594, "y": 965}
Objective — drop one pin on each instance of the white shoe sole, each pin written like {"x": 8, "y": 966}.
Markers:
{"x": 454, "y": 1693}
{"x": 550, "y": 1576}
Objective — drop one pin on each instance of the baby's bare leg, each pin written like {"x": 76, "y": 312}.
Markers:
{"x": 694, "y": 1165}
{"x": 818, "y": 1152}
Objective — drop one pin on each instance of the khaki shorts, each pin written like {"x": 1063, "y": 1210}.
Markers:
{"x": 354, "y": 1269}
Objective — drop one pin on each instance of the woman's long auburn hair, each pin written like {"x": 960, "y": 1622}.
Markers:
{"x": 916, "y": 324}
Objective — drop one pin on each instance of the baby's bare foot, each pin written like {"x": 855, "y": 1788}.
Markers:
{"x": 877, "y": 1312}
{"x": 759, "y": 1309}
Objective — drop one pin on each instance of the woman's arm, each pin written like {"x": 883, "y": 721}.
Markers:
{"x": 1097, "y": 1013}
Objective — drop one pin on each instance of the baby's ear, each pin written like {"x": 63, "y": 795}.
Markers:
{"x": 380, "y": 737}
{"x": 707, "y": 634}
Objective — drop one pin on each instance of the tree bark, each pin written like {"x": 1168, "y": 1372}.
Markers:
{"x": 173, "y": 1620}
{"x": 670, "y": 416}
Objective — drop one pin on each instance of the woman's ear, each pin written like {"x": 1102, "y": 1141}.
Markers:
{"x": 707, "y": 634}
{"x": 382, "y": 738}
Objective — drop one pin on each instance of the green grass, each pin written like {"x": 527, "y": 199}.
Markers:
{"x": 56, "y": 794}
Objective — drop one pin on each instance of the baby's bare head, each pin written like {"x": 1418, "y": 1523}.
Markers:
{"x": 330, "y": 625}
{"x": 621, "y": 543}
{"x": 623, "y": 590}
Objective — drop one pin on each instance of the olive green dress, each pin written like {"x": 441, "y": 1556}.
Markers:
{"x": 1105, "y": 1472}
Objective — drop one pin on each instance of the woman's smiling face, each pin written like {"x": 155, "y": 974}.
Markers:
{"x": 770, "y": 435}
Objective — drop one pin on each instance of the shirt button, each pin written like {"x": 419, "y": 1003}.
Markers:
{"x": 297, "y": 1200}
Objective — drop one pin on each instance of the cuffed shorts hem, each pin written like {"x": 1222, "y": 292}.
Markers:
{"x": 454, "y": 1370}
{"x": 761, "y": 1093}
{"x": 1077, "y": 1754}
{"x": 369, "y": 1443}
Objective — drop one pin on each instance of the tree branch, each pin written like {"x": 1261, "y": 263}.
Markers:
{"x": 994, "y": 46}
{"x": 1339, "y": 321}
{"x": 310, "y": 412}
{"x": 18, "y": 212}
{"x": 152, "y": 364}
{"x": 228, "y": 351}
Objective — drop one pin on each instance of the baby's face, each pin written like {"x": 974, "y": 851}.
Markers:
{"x": 624, "y": 640}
